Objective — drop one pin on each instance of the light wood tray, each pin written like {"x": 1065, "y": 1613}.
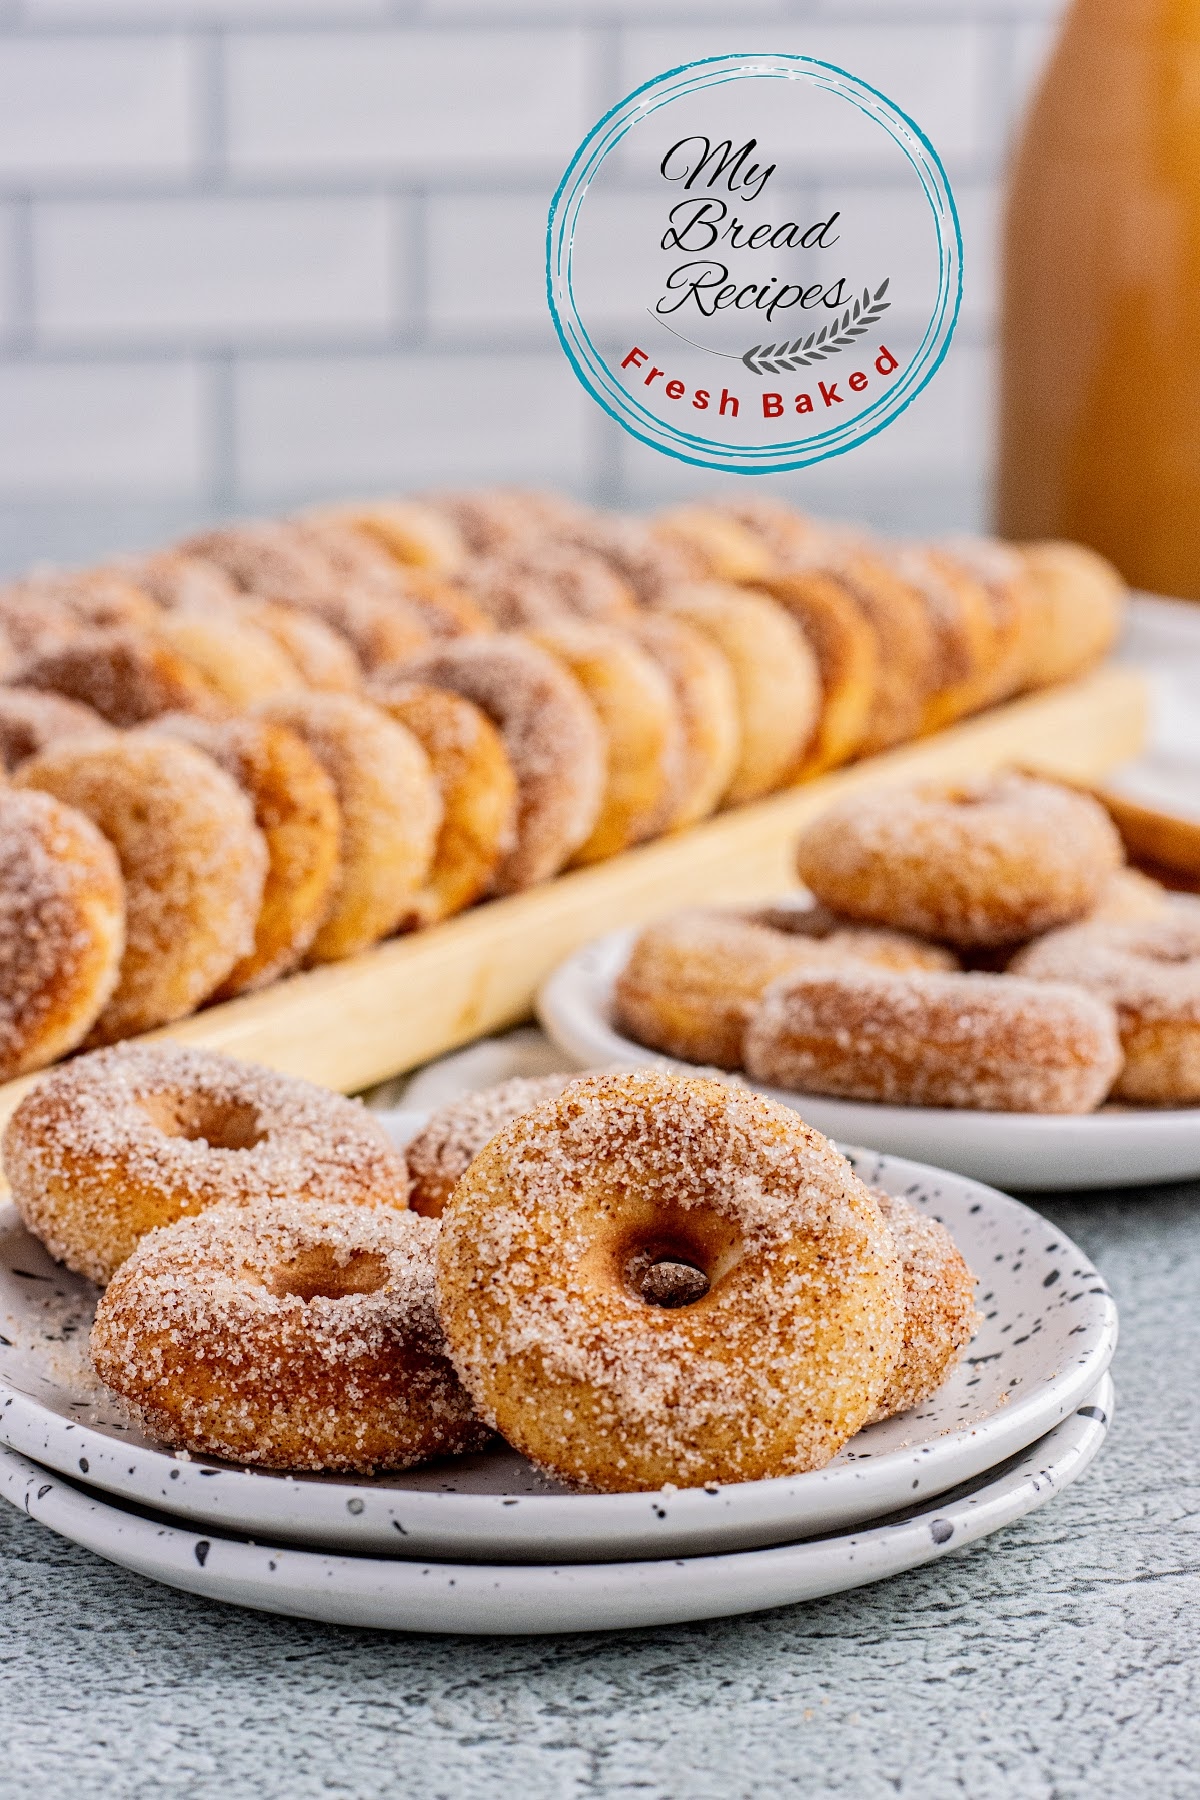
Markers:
{"x": 354, "y": 1023}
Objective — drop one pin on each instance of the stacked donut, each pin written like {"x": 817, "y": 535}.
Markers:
{"x": 979, "y": 945}
{"x": 277, "y": 743}
{"x": 636, "y": 1279}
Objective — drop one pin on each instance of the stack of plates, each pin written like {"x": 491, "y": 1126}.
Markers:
{"x": 486, "y": 1544}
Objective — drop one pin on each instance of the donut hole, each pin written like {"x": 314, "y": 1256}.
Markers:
{"x": 203, "y": 1119}
{"x": 316, "y": 1274}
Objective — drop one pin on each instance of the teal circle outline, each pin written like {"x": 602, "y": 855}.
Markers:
{"x": 590, "y": 367}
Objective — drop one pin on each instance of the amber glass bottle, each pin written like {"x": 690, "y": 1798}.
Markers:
{"x": 1100, "y": 371}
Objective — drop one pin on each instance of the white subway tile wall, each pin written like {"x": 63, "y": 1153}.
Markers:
{"x": 256, "y": 252}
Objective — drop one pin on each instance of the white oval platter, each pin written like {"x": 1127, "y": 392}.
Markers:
{"x": 1047, "y": 1332}
{"x": 1111, "y": 1148}
{"x": 507, "y": 1599}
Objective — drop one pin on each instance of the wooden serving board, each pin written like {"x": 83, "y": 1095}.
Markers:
{"x": 351, "y": 1024}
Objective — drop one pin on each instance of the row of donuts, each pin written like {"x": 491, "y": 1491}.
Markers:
{"x": 980, "y": 945}
{"x": 610, "y": 1270}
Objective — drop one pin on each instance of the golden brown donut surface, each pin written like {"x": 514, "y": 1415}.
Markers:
{"x": 126, "y": 675}
{"x": 322, "y": 657}
{"x": 31, "y": 718}
{"x": 989, "y": 1043}
{"x": 939, "y": 1305}
{"x": 111, "y": 1145}
{"x": 544, "y": 1262}
{"x": 710, "y": 731}
{"x": 287, "y": 1335}
{"x": 847, "y": 654}
{"x": 1078, "y": 603}
{"x": 62, "y": 929}
{"x": 988, "y": 861}
{"x": 454, "y": 1134}
{"x": 237, "y": 662}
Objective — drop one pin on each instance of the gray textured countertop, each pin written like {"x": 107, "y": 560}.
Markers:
{"x": 1059, "y": 1659}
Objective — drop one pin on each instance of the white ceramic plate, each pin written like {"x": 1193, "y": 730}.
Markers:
{"x": 1111, "y": 1148}
{"x": 1047, "y": 1335}
{"x": 503, "y": 1598}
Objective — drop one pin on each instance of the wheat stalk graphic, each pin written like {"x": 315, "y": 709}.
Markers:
{"x": 839, "y": 334}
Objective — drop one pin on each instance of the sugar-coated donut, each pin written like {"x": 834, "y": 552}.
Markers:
{"x": 990, "y": 1043}
{"x": 1078, "y": 601}
{"x": 774, "y": 671}
{"x": 988, "y": 861}
{"x": 1151, "y": 974}
{"x": 939, "y": 1305}
{"x": 237, "y": 661}
{"x": 288, "y": 1336}
{"x": 391, "y": 813}
{"x": 1006, "y": 581}
{"x": 847, "y": 654}
{"x": 31, "y": 718}
{"x": 126, "y": 675}
{"x": 709, "y": 726}
{"x": 454, "y": 1134}
{"x": 691, "y": 979}
{"x": 266, "y": 557}
{"x": 175, "y": 581}
{"x": 639, "y": 722}
{"x": 62, "y": 929}
{"x": 414, "y": 534}
{"x": 381, "y": 631}
{"x": 537, "y": 585}
{"x": 910, "y": 652}
{"x": 322, "y": 657}
{"x": 192, "y": 859}
{"x": 552, "y": 737}
{"x": 478, "y": 792}
{"x": 87, "y": 599}
{"x": 784, "y": 1339}
{"x": 720, "y": 546}
{"x": 296, "y": 809}
{"x": 960, "y": 613}
{"x": 497, "y": 519}
{"x": 111, "y": 1145}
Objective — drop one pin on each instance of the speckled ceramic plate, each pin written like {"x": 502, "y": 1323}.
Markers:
{"x": 411, "y": 1595}
{"x": 1047, "y": 1334}
{"x": 1116, "y": 1147}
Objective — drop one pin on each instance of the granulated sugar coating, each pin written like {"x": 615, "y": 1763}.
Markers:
{"x": 453, "y": 1135}
{"x": 116, "y": 1143}
{"x": 939, "y": 1305}
{"x": 1150, "y": 972}
{"x": 62, "y": 929}
{"x": 769, "y": 1372}
{"x": 994, "y": 861}
{"x": 125, "y": 674}
{"x": 990, "y": 1043}
{"x": 289, "y": 1335}
{"x": 31, "y": 719}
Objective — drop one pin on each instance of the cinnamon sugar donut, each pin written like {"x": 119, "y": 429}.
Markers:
{"x": 990, "y": 1043}
{"x": 111, "y": 1145}
{"x": 287, "y": 1336}
{"x": 847, "y": 654}
{"x": 192, "y": 860}
{"x": 454, "y": 1134}
{"x": 719, "y": 546}
{"x": 390, "y": 810}
{"x": 774, "y": 671}
{"x": 382, "y": 632}
{"x": 910, "y": 649}
{"x": 125, "y": 675}
{"x": 989, "y": 861}
{"x": 1151, "y": 974}
{"x": 1007, "y": 583}
{"x": 783, "y": 1342}
{"x": 505, "y": 518}
{"x": 62, "y": 929}
{"x": 322, "y": 657}
{"x": 92, "y": 599}
{"x": 1078, "y": 600}
{"x": 237, "y": 662}
{"x": 537, "y": 585}
{"x": 639, "y": 723}
{"x": 706, "y": 700}
{"x": 478, "y": 792}
{"x": 690, "y": 980}
{"x": 960, "y": 613}
{"x": 414, "y": 534}
{"x": 30, "y": 719}
{"x": 939, "y": 1305}
{"x": 296, "y": 809}
{"x": 267, "y": 557}
{"x": 175, "y": 581}
{"x": 552, "y": 737}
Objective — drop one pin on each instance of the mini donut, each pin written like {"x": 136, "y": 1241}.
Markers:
{"x": 774, "y": 671}
{"x": 442, "y": 607}
{"x": 690, "y": 980}
{"x": 552, "y": 737}
{"x": 847, "y": 654}
{"x": 1151, "y": 974}
{"x": 127, "y": 676}
{"x": 31, "y": 623}
{"x": 489, "y": 520}
{"x": 31, "y": 719}
{"x": 647, "y": 565}
{"x": 362, "y": 567}
{"x": 296, "y": 809}
{"x": 192, "y": 859}
{"x": 791, "y": 539}
{"x": 639, "y": 722}
{"x": 382, "y": 632}
{"x": 1078, "y": 602}
{"x": 960, "y": 613}
{"x": 414, "y": 534}
{"x": 62, "y": 929}
{"x": 111, "y": 1145}
{"x": 984, "y": 862}
{"x": 176, "y": 582}
{"x": 786, "y": 1335}
{"x": 289, "y": 1337}
{"x": 910, "y": 650}
{"x": 537, "y": 586}
{"x": 719, "y": 546}
{"x": 390, "y": 810}
{"x": 321, "y": 656}
{"x": 454, "y": 1134}
{"x": 267, "y": 557}
{"x": 478, "y": 792}
{"x": 237, "y": 662}
{"x": 93, "y": 598}
{"x": 707, "y": 703}
{"x": 939, "y": 1305}
{"x": 989, "y": 1043}
{"x": 1006, "y": 581}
